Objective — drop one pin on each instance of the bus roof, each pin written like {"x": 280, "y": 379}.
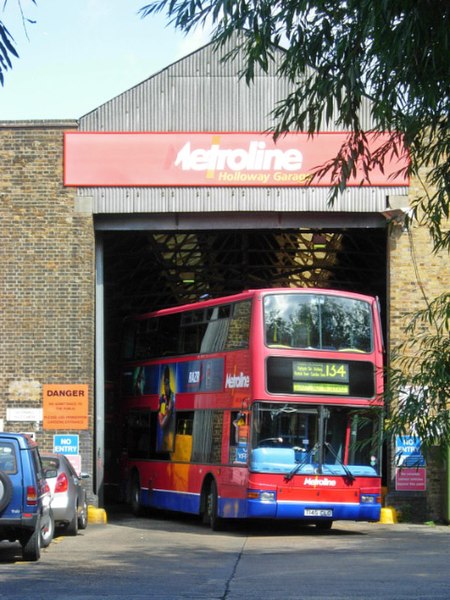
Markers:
{"x": 245, "y": 295}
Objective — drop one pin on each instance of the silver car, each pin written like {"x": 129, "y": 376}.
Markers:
{"x": 68, "y": 494}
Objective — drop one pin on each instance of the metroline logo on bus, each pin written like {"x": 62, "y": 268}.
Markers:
{"x": 237, "y": 381}
{"x": 316, "y": 482}
{"x": 214, "y": 159}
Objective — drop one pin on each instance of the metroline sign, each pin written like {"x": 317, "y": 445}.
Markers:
{"x": 214, "y": 159}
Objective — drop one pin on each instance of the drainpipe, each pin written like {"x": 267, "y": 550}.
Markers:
{"x": 99, "y": 459}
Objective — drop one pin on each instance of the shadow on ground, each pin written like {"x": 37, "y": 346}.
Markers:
{"x": 119, "y": 514}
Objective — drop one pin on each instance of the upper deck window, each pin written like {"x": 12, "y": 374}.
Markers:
{"x": 317, "y": 322}
{"x": 208, "y": 330}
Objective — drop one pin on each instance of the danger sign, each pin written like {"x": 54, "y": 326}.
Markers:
{"x": 66, "y": 406}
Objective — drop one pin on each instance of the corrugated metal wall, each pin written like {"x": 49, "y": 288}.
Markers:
{"x": 164, "y": 200}
{"x": 202, "y": 93}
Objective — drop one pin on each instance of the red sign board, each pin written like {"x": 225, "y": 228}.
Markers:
{"x": 213, "y": 159}
{"x": 411, "y": 479}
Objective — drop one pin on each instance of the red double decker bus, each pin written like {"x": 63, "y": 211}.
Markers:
{"x": 264, "y": 404}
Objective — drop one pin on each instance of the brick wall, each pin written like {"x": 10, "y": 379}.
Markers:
{"x": 46, "y": 278}
{"x": 47, "y": 285}
{"x": 415, "y": 272}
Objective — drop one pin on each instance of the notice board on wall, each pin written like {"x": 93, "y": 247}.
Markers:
{"x": 66, "y": 406}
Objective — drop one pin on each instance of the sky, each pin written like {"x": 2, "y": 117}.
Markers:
{"x": 81, "y": 53}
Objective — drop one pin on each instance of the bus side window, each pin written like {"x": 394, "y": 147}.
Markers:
{"x": 216, "y": 331}
{"x": 128, "y": 340}
{"x": 191, "y": 337}
{"x": 207, "y": 436}
{"x": 146, "y": 334}
{"x": 169, "y": 327}
{"x": 239, "y": 429}
{"x": 138, "y": 434}
{"x": 239, "y": 329}
{"x": 183, "y": 437}
{"x": 239, "y": 434}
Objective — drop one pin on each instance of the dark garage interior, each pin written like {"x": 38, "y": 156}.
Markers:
{"x": 150, "y": 270}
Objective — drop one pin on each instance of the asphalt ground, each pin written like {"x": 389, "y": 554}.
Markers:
{"x": 167, "y": 556}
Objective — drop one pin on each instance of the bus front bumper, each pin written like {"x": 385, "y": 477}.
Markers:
{"x": 311, "y": 511}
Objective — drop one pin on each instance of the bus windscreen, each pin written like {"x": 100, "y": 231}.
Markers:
{"x": 317, "y": 322}
{"x": 313, "y": 440}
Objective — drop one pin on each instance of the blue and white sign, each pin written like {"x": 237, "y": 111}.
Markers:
{"x": 241, "y": 452}
{"x": 408, "y": 451}
{"x": 66, "y": 444}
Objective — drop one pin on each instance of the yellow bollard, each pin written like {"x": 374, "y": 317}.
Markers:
{"x": 388, "y": 516}
{"x": 96, "y": 515}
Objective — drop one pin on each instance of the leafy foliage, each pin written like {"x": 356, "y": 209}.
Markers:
{"x": 420, "y": 382}
{"x": 339, "y": 53}
{"x": 7, "y": 44}
{"x": 6, "y": 50}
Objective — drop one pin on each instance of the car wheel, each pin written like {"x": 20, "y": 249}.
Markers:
{"x": 6, "y": 490}
{"x": 31, "y": 544}
{"x": 72, "y": 527}
{"x": 48, "y": 531}
{"x": 83, "y": 517}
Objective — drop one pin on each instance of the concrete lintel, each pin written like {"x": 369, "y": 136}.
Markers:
{"x": 257, "y": 220}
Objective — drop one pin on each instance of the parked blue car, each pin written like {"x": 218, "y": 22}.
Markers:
{"x": 25, "y": 511}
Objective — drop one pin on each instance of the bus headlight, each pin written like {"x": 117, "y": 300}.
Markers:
{"x": 268, "y": 496}
{"x": 262, "y": 495}
{"x": 368, "y": 499}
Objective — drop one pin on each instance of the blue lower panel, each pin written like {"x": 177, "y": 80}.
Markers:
{"x": 235, "y": 508}
{"x": 296, "y": 510}
{"x": 166, "y": 500}
{"x": 230, "y": 508}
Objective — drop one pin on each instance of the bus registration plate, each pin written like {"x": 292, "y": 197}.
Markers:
{"x": 315, "y": 512}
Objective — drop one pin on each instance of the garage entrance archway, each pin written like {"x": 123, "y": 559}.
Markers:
{"x": 147, "y": 270}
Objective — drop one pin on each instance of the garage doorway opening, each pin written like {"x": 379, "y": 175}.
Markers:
{"x": 149, "y": 270}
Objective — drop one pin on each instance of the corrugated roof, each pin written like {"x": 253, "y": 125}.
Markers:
{"x": 203, "y": 93}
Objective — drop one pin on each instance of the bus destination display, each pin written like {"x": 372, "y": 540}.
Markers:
{"x": 320, "y": 377}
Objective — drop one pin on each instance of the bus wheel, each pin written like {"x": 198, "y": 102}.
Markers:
{"x": 215, "y": 522}
{"x": 324, "y": 525}
{"x": 135, "y": 496}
